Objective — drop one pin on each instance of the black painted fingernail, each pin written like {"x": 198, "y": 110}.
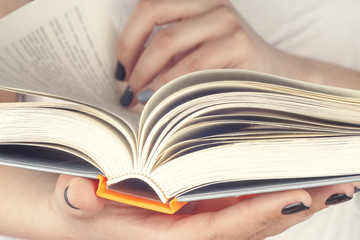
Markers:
{"x": 127, "y": 97}
{"x": 120, "y": 72}
{"x": 356, "y": 189}
{"x": 337, "y": 198}
{"x": 67, "y": 200}
{"x": 294, "y": 208}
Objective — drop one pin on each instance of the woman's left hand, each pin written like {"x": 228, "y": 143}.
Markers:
{"x": 195, "y": 35}
{"x": 200, "y": 35}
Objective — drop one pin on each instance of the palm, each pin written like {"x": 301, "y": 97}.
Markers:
{"x": 192, "y": 220}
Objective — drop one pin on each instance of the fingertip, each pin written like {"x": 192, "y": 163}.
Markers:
{"x": 337, "y": 198}
{"x": 285, "y": 198}
{"x": 356, "y": 186}
{"x": 120, "y": 72}
{"x": 146, "y": 92}
{"x": 300, "y": 202}
{"x": 283, "y": 203}
{"x": 294, "y": 208}
{"x": 145, "y": 95}
{"x": 330, "y": 195}
{"x": 127, "y": 97}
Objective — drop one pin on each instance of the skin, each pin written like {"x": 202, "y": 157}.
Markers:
{"x": 7, "y": 96}
{"x": 227, "y": 42}
{"x": 34, "y": 205}
{"x": 39, "y": 197}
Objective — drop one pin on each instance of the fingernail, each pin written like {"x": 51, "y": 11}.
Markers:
{"x": 120, "y": 72}
{"x": 67, "y": 200}
{"x": 294, "y": 208}
{"x": 127, "y": 97}
{"x": 337, "y": 198}
{"x": 145, "y": 95}
{"x": 356, "y": 189}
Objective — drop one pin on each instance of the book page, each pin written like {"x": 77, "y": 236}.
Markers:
{"x": 223, "y": 75}
{"x": 78, "y": 131}
{"x": 243, "y": 188}
{"x": 63, "y": 48}
{"x": 211, "y": 114}
{"x": 200, "y": 90}
{"x": 200, "y": 118}
{"x": 255, "y": 160}
{"x": 36, "y": 157}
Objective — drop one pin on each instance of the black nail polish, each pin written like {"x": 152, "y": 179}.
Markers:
{"x": 120, "y": 72}
{"x": 67, "y": 200}
{"x": 127, "y": 97}
{"x": 356, "y": 189}
{"x": 294, "y": 208}
{"x": 337, "y": 198}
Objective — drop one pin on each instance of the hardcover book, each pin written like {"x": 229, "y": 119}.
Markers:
{"x": 204, "y": 135}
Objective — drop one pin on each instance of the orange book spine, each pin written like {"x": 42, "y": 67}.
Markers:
{"x": 169, "y": 208}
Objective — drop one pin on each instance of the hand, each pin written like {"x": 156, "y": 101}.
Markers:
{"x": 35, "y": 208}
{"x": 199, "y": 35}
{"x": 90, "y": 217}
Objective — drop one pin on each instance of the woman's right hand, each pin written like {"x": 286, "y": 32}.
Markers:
{"x": 34, "y": 207}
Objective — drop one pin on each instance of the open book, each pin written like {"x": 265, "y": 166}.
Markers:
{"x": 209, "y": 134}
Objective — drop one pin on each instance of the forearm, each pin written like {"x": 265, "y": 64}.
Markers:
{"x": 25, "y": 195}
{"x": 26, "y": 203}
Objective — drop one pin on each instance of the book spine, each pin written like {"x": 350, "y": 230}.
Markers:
{"x": 170, "y": 208}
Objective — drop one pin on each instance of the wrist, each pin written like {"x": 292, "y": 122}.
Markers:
{"x": 318, "y": 72}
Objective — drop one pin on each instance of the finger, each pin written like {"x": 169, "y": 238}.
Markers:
{"x": 148, "y": 14}
{"x": 322, "y": 197}
{"x": 356, "y": 186}
{"x": 76, "y": 196}
{"x": 179, "y": 38}
{"x": 245, "y": 218}
{"x": 330, "y": 195}
{"x": 218, "y": 53}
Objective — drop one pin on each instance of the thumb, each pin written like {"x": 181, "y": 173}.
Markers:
{"x": 76, "y": 196}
